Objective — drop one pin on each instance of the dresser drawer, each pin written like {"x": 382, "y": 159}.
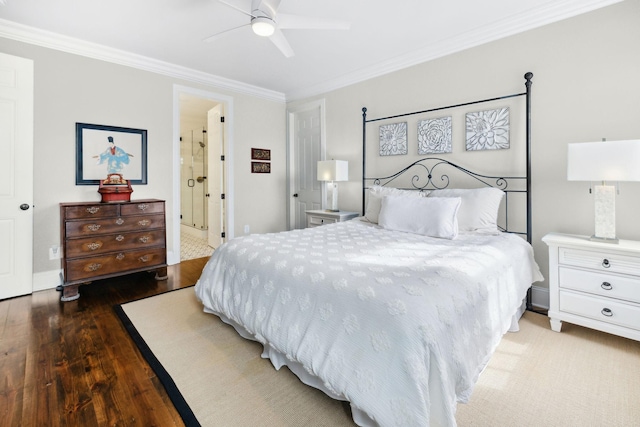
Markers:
{"x": 141, "y": 208}
{"x": 605, "y": 284}
{"x": 82, "y": 228}
{"x": 114, "y": 242}
{"x": 116, "y": 262}
{"x": 599, "y": 261}
{"x": 601, "y": 309}
{"x": 316, "y": 220}
{"x": 90, "y": 211}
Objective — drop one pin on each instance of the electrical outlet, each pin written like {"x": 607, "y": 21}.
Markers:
{"x": 246, "y": 229}
{"x": 54, "y": 252}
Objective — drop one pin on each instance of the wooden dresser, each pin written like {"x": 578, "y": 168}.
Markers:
{"x": 102, "y": 240}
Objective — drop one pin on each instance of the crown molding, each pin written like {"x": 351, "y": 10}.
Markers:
{"x": 550, "y": 13}
{"x": 23, "y": 33}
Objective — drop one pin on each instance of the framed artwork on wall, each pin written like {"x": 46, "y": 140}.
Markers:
{"x": 260, "y": 167}
{"x": 260, "y": 154}
{"x": 393, "y": 139}
{"x": 104, "y": 150}
{"x": 488, "y": 130}
{"x": 434, "y": 135}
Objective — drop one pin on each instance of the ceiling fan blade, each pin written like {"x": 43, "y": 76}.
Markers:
{"x": 240, "y": 6}
{"x": 269, "y": 6}
{"x": 286, "y": 21}
{"x": 223, "y": 33}
{"x": 281, "y": 43}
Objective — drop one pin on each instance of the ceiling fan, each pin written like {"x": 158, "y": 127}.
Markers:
{"x": 267, "y": 22}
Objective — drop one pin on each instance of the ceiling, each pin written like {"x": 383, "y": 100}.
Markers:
{"x": 167, "y": 36}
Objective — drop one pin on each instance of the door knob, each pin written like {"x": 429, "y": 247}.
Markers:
{"x": 295, "y": 195}
{"x": 24, "y": 206}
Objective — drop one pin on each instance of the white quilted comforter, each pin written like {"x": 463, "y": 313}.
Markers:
{"x": 400, "y": 325}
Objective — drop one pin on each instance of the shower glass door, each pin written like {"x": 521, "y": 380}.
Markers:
{"x": 193, "y": 179}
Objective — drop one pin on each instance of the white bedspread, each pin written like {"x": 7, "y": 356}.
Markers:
{"x": 398, "y": 324}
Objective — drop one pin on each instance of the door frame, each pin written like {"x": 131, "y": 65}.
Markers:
{"x": 173, "y": 255}
{"x": 291, "y": 116}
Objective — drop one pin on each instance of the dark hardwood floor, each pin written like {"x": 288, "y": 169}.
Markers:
{"x": 73, "y": 363}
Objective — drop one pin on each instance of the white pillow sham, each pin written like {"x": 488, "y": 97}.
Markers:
{"x": 428, "y": 216}
{"x": 478, "y": 208}
{"x": 374, "y": 199}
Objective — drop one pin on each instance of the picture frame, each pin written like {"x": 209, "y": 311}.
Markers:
{"x": 393, "y": 139}
{"x": 102, "y": 150}
{"x": 260, "y": 154}
{"x": 487, "y": 130}
{"x": 260, "y": 167}
{"x": 434, "y": 136}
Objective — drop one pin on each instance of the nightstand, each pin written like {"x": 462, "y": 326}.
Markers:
{"x": 594, "y": 284}
{"x": 321, "y": 217}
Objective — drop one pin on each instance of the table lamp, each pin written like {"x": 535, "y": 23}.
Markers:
{"x": 331, "y": 171}
{"x": 605, "y": 162}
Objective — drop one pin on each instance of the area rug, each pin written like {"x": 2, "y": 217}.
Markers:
{"x": 536, "y": 377}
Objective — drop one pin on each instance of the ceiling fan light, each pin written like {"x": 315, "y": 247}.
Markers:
{"x": 263, "y": 26}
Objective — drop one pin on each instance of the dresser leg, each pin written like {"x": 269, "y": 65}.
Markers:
{"x": 161, "y": 274}
{"x": 70, "y": 293}
{"x": 556, "y": 325}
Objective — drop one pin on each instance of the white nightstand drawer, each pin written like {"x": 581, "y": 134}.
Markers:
{"x": 605, "y": 284}
{"x": 608, "y": 262}
{"x": 316, "y": 220}
{"x": 598, "y": 308}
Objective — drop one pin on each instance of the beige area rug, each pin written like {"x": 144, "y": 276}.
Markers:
{"x": 536, "y": 377}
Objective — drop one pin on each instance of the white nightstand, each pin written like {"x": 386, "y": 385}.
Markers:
{"x": 321, "y": 217}
{"x": 594, "y": 284}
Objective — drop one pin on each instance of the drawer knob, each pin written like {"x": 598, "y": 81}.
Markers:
{"x": 606, "y": 312}
{"x": 144, "y": 258}
{"x": 93, "y": 209}
{"x": 144, "y": 222}
{"x": 143, "y": 207}
{"x": 144, "y": 239}
{"x": 120, "y": 256}
{"x": 606, "y": 263}
{"x": 93, "y": 227}
{"x": 606, "y": 286}
{"x": 119, "y": 221}
{"x": 119, "y": 237}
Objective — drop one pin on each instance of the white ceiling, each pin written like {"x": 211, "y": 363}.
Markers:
{"x": 167, "y": 36}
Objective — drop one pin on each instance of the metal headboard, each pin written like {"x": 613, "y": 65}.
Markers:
{"x": 427, "y": 165}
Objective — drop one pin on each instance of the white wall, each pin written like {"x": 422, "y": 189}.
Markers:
{"x": 586, "y": 86}
{"x": 71, "y": 88}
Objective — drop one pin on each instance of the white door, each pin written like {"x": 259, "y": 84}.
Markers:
{"x": 16, "y": 176}
{"x": 306, "y": 148}
{"x": 215, "y": 177}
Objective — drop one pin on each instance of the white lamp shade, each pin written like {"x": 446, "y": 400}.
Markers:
{"x": 333, "y": 170}
{"x": 263, "y": 26}
{"x": 604, "y": 161}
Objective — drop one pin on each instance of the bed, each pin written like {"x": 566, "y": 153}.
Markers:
{"x": 396, "y": 312}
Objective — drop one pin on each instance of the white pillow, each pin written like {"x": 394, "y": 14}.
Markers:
{"x": 429, "y": 216}
{"x": 478, "y": 209}
{"x": 374, "y": 199}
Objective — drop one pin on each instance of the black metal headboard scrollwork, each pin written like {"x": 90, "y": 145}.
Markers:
{"x": 433, "y": 172}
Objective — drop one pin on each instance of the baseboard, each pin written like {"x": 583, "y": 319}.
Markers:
{"x": 46, "y": 280}
{"x": 540, "y": 297}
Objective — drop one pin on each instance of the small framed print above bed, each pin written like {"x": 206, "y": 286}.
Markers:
{"x": 393, "y": 139}
{"x": 487, "y": 130}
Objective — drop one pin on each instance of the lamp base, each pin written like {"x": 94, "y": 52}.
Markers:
{"x": 613, "y": 240}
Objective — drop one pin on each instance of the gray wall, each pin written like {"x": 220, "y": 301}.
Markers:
{"x": 586, "y": 86}
{"x": 71, "y": 88}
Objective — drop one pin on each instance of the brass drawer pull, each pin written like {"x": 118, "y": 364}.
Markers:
{"x": 119, "y": 221}
{"x": 93, "y": 227}
{"x": 606, "y": 286}
{"x": 144, "y": 258}
{"x": 606, "y": 312}
{"x": 93, "y": 267}
{"x": 119, "y": 238}
{"x": 120, "y": 256}
{"x": 606, "y": 263}
{"x": 144, "y": 239}
{"x": 144, "y": 222}
{"x": 93, "y": 209}
{"x": 93, "y": 246}
{"x": 143, "y": 207}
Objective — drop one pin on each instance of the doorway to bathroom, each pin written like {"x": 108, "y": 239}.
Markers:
{"x": 200, "y": 174}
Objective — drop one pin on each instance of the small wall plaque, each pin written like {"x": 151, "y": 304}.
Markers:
{"x": 260, "y": 167}
{"x": 260, "y": 154}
